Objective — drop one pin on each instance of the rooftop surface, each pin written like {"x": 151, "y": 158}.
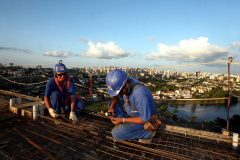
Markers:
{"x": 90, "y": 138}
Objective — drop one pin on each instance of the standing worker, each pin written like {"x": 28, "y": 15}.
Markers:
{"x": 133, "y": 108}
{"x": 60, "y": 94}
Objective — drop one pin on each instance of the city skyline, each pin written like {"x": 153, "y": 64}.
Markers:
{"x": 106, "y": 69}
{"x": 135, "y": 33}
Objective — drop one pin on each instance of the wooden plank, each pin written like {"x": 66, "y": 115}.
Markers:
{"x": 19, "y": 95}
{"x": 15, "y": 108}
{"x": 28, "y": 112}
{"x": 195, "y": 132}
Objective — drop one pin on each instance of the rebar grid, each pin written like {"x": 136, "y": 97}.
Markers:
{"x": 204, "y": 145}
{"x": 177, "y": 145}
{"x": 198, "y": 146}
{"x": 105, "y": 145}
{"x": 66, "y": 142}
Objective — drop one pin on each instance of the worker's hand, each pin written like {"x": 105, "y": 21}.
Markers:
{"x": 117, "y": 120}
{"x": 73, "y": 117}
{"x": 53, "y": 113}
{"x": 111, "y": 110}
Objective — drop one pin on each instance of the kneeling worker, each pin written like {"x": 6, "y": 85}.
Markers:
{"x": 60, "y": 94}
{"x": 133, "y": 108}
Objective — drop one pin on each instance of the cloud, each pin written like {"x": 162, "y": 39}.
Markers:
{"x": 235, "y": 45}
{"x": 83, "y": 40}
{"x": 63, "y": 54}
{"x": 106, "y": 51}
{"x": 15, "y": 49}
{"x": 190, "y": 50}
{"x": 152, "y": 39}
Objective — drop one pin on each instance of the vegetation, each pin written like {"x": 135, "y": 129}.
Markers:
{"x": 193, "y": 118}
{"x": 221, "y": 122}
{"x": 217, "y": 93}
{"x": 175, "y": 111}
{"x": 97, "y": 107}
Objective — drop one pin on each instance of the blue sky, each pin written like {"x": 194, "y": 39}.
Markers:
{"x": 123, "y": 33}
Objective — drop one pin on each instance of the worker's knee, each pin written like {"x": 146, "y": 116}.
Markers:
{"x": 119, "y": 132}
{"x": 80, "y": 105}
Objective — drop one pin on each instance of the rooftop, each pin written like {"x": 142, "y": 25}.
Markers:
{"x": 90, "y": 138}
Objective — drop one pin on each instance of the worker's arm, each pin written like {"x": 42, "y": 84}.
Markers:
{"x": 51, "y": 111}
{"x": 73, "y": 102}
{"x": 135, "y": 120}
{"x": 72, "y": 115}
{"x": 47, "y": 102}
{"x": 113, "y": 104}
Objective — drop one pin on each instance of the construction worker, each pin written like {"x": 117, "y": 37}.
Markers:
{"x": 60, "y": 94}
{"x": 133, "y": 108}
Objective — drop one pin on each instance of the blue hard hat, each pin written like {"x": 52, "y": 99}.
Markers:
{"x": 115, "y": 80}
{"x": 60, "y": 68}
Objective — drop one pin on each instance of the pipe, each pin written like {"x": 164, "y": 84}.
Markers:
{"x": 18, "y": 101}
{"x": 235, "y": 140}
{"x": 12, "y": 102}
{"x": 41, "y": 110}
{"x": 35, "y": 112}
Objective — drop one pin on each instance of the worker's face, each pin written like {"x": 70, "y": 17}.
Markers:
{"x": 61, "y": 76}
{"x": 124, "y": 89}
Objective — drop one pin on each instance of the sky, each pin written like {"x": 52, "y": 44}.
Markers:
{"x": 122, "y": 33}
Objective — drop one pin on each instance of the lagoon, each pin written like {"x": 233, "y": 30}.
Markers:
{"x": 205, "y": 111}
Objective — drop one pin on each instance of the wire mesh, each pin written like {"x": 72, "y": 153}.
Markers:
{"x": 62, "y": 141}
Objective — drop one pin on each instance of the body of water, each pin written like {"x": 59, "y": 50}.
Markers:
{"x": 205, "y": 111}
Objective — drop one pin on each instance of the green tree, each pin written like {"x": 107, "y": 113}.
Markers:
{"x": 220, "y": 121}
{"x": 235, "y": 120}
{"x": 175, "y": 111}
{"x": 193, "y": 118}
{"x": 210, "y": 121}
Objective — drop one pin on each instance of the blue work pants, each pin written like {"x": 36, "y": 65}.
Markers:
{"x": 127, "y": 131}
{"x": 57, "y": 100}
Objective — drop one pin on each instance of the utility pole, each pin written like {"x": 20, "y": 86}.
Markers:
{"x": 230, "y": 59}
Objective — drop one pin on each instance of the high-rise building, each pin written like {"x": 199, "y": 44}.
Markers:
{"x": 39, "y": 67}
{"x": 198, "y": 73}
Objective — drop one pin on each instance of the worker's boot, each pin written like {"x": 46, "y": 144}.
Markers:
{"x": 149, "y": 140}
{"x": 63, "y": 112}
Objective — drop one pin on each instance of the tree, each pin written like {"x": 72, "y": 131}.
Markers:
{"x": 220, "y": 121}
{"x": 235, "y": 120}
{"x": 193, "y": 118}
{"x": 210, "y": 121}
{"x": 175, "y": 111}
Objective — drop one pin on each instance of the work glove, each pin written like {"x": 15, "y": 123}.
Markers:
{"x": 73, "y": 117}
{"x": 53, "y": 113}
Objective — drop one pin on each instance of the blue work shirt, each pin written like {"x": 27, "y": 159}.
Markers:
{"x": 143, "y": 100}
{"x": 52, "y": 86}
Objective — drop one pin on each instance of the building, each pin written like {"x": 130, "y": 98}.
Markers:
{"x": 198, "y": 73}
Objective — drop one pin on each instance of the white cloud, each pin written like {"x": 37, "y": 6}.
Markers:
{"x": 59, "y": 54}
{"x": 190, "y": 50}
{"x": 152, "y": 39}
{"x": 235, "y": 45}
{"x": 106, "y": 51}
